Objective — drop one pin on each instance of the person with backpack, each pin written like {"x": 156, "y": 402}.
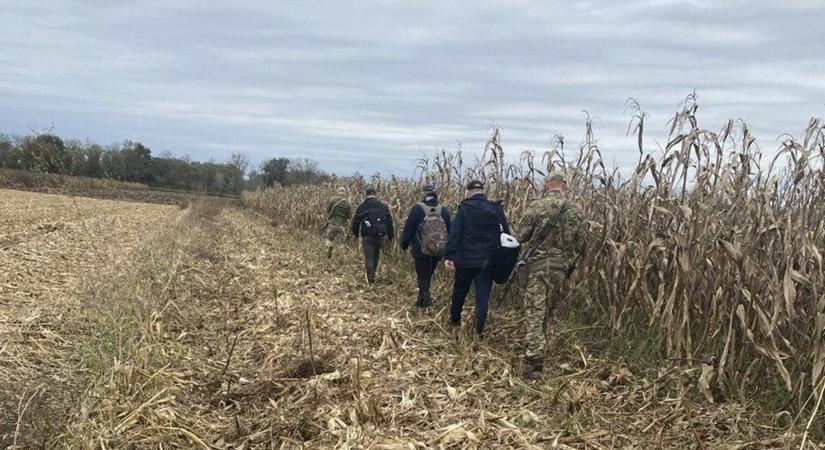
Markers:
{"x": 338, "y": 213}
{"x": 472, "y": 246}
{"x": 373, "y": 223}
{"x": 426, "y": 228}
{"x": 553, "y": 232}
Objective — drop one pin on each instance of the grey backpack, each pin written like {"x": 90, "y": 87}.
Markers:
{"x": 433, "y": 231}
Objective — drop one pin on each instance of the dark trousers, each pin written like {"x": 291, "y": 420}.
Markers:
{"x": 372, "y": 253}
{"x": 482, "y": 278}
{"x": 424, "y": 268}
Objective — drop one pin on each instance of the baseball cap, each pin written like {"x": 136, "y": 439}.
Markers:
{"x": 475, "y": 184}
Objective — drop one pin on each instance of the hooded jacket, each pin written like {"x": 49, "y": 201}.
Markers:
{"x": 474, "y": 235}
{"x": 415, "y": 218}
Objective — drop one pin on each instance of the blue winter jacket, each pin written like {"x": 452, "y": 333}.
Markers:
{"x": 474, "y": 235}
{"x": 410, "y": 233}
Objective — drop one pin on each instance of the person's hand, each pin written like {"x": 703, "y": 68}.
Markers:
{"x": 521, "y": 265}
{"x": 514, "y": 273}
{"x": 449, "y": 264}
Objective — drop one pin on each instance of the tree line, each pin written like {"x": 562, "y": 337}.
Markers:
{"x": 134, "y": 162}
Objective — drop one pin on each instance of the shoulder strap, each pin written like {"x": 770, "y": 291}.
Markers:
{"x": 332, "y": 210}
{"x": 549, "y": 224}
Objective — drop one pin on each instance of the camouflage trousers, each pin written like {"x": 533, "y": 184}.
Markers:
{"x": 543, "y": 292}
{"x": 335, "y": 237}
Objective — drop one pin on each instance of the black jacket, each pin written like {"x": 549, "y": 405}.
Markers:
{"x": 414, "y": 220}
{"x": 361, "y": 215}
{"x": 474, "y": 236}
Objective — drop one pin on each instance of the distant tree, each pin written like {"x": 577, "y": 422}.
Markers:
{"x": 305, "y": 171}
{"x": 44, "y": 153}
{"x": 133, "y": 161}
{"x": 129, "y": 162}
{"x": 275, "y": 171}
{"x": 237, "y": 165}
{"x": 93, "y": 164}
{"x": 8, "y": 152}
{"x": 170, "y": 172}
{"x": 75, "y": 158}
{"x": 255, "y": 180}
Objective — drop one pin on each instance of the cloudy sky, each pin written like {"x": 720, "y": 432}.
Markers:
{"x": 369, "y": 85}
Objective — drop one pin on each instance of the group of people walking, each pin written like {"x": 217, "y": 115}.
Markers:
{"x": 551, "y": 236}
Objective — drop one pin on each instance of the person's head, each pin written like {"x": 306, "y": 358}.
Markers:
{"x": 341, "y": 191}
{"x": 556, "y": 182}
{"x": 475, "y": 187}
{"x": 370, "y": 191}
{"x": 428, "y": 190}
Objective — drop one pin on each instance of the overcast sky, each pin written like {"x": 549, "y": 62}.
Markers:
{"x": 369, "y": 85}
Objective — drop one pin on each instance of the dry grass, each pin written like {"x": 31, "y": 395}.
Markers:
{"x": 101, "y": 188}
{"x": 192, "y": 329}
{"x": 50, "y": 246}
{"x": 48, "y": 182}
{"x": 707, "y": 252}
{"x": 141, "y": 326}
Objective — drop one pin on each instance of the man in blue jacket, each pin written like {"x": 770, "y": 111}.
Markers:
{"x": 471, "y": 247}
{"x": 425, "y": 265}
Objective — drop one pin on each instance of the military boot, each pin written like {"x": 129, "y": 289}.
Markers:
{"x": 533, "y": 367}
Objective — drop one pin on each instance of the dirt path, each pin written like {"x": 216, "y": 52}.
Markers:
{"x": 388, "y": 377}
{"x": 202, "y": 333}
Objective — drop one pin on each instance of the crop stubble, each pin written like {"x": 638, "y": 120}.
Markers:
{"x": 226, "y": 304}
{"x": 49, "y": 246}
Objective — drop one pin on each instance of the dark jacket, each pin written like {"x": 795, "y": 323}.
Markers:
{"x": 474, "y": 236}
{"x": 414, "y": 220}
{"x": 361, "y": 215}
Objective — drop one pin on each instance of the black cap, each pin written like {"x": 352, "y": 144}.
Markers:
{"x": 370, "y": 191}
{"x": 428, "y": 189}
{"x": 475, "y": 184}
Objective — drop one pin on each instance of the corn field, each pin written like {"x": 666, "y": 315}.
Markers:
{"x": 708, "y": 243}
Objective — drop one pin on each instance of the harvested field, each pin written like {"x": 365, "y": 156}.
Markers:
{"x": 127, "y": 325}
{"x": 50, "y": 247}
{"x": 101, "y": 188}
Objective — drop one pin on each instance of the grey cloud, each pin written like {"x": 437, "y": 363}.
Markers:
{"x": 370, "y": 85}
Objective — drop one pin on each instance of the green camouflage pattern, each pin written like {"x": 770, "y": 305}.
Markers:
{"x": 564, "y": 242}
{"x": 336, "y": 237}
{"x": 339, "y": 212}
{"x": 548, "y": 263}
{"x": 544, "y": 291}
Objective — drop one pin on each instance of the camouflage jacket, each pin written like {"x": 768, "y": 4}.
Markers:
{"x": 561, "y": 242}
{"x": 338, "y": 212}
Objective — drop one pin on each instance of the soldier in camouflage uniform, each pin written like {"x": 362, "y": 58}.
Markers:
{"x": 339, "y": 212}
{"x": 552, "y": 232}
